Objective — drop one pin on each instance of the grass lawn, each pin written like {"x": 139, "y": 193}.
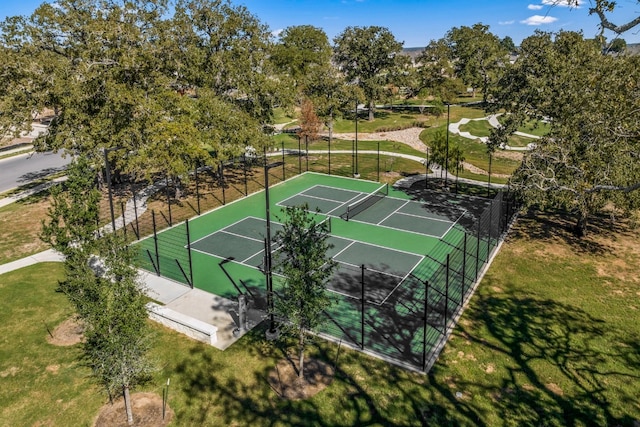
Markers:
{"x": 533, "y": 127}
{"x": 550, "y": 338}
{"x": 475, "y": 153}
{"x": 20, "y": 227}
{"x": 291, "y": 142}
{"x": 477, "y": 128}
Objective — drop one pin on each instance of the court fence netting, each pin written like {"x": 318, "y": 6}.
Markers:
{"x": 408, "y": 327}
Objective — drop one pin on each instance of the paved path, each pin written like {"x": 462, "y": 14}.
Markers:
{"x": 493, "y": 121}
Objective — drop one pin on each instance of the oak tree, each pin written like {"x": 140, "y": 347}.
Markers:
{"x": 306, "y": 268}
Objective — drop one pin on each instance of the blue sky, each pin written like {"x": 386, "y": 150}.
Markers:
{"x": 416, "y": 22}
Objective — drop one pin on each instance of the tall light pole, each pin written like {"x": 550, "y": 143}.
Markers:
{"x": 356, "y": 174}
{"x": 446, "y": 159}
{"x": 271, "y": 333}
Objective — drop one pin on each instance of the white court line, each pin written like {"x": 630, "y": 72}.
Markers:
{"x": 396, "y": 229}
{"x": 400, "y": 207}
{"x": 454, "y": 223}
{"x": 401, "y": 282}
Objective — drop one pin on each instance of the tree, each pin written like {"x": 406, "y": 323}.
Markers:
{"x": 330, "y": 95}
{"x": 456, "y": 154}
{"x": 479, "y": 57}
{"x": 618, "y": 45}
{"x": 603, "y": 8}
{"x": 117, "y": 336}
{"x": 101, "y": 284}
{"x": 508, "y": 44}
{"x": 367, "y": 57}
{"x": 589, "y": 159}
{"x": 128, "y": 75}
{"x": 438, "y": 149}
{"x": 224, "y": 48}
{"x": 306, "y": 268}
{"x": 310, "y": 124}
{"x": 436, "y": 73}
{"x": 301, "y": 50}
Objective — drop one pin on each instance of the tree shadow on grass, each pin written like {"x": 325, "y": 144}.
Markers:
{"x": 559, "y": 225}
{"x": 560, "y": 360}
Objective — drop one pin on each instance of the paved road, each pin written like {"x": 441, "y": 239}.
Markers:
{"x": 24, "y": 168}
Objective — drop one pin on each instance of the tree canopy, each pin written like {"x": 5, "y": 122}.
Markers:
{"x": 101, "y": 284}
{"x": 479, "y": 56}
{"x": 367, "y": 57}
{"x": 590, "y": 158}
{"x": 140, "y": 76}
{"x": 306, "y": 267}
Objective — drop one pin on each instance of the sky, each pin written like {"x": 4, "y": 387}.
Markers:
{"x": 416, "y": 22}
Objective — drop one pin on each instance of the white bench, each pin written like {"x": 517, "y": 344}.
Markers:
{"x": 194, "y": 328}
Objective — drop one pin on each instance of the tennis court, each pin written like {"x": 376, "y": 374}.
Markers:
{"x": 244, "y": 243}
{"x": 374, "y": 208}
{"x": 404, "y": 265}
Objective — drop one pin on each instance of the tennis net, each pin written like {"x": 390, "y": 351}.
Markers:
{"x": 366, "y": 202}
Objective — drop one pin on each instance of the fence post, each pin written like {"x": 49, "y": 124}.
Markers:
{"x": 221, "y": 171}
{"x": 464, "y": 266}
{"x": 378, "y": 161}
{"x": 306, "y": 150}
{"x": 155, "y": 240}
{"x": 477, "y": 251}
{"x": 353, "y": 158}
{"x": 446, "y": 298}
{"x": 299, "y": 157}
{"x": 426, "y": 169}
{"x": 490, "y": 229}
{"x": 329, "y": 151}
{"x": 244, "y": 170}
{"x": 186, "y": 223}
{"x": 424, "y": 333}
{"x": 135, "y": 213}
{"x": 197, "y": 189}
{"x": 363, "y": 306}
{"x": 124, "y": 220}
{"x": 284, "y": 173}
{"x": 166, "y": 177}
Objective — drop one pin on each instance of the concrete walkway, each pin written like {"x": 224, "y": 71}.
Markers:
{"x": 493, "y": 121}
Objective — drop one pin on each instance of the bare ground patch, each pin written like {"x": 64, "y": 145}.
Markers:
{"x": 284, "y": 379}
{"x": 147, "y": 412}
{"x": 69, "y": 332}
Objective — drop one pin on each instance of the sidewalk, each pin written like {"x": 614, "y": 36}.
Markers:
{"x": 194, "y": 303}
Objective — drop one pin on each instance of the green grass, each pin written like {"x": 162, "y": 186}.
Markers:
{"x": 550, "y": 338}
{"x": 281, "y": 116}
{"x": 533, "y": 127}
{"x": 476, "y": 154}
{"x": 384, "y": 120}
{"x": 519, "y": 141}
{"x": 477, "y": 128}
{"x": 291, "y": 142}
{"x": 20, "y": 227}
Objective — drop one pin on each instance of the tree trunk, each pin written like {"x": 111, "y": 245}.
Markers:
{"x": 301, "y": 355}
{"x": 370, "y": 111}
{"x": 127, "y": 404}
{"x": 580, "y": 229}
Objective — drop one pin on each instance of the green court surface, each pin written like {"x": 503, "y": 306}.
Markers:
{"x": 386, "y": 254}
{"x": 236, "y": 232}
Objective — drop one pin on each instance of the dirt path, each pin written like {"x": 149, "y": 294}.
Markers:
{"x": 410, "y": 137}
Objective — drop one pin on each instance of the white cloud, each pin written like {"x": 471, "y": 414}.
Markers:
{"x": 506, "y": 22}
{"x": 564, "y": 3}
{"x": 539, "y": 20}
{"x": 535, "y": 7}
{"x": 276, "y": 33}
